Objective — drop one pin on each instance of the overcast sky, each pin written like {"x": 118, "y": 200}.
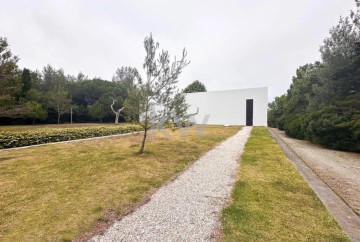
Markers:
{"x": 231, "y": 44}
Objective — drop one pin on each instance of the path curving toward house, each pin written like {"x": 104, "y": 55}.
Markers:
{"x": 189, "y": 208}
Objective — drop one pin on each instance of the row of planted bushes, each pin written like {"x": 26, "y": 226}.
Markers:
{"x": 329, "y": 126}
{"x": 11, "y": 139}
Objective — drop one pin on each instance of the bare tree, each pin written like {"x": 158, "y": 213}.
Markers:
{"x": 117, "y": 113}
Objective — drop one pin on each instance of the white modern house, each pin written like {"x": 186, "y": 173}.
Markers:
{"x": 230, "y": 107}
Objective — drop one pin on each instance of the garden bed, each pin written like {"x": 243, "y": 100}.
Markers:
{"x": 11, "y": 139}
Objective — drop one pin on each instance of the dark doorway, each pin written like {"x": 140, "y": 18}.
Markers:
{"x": 249, "y": 112}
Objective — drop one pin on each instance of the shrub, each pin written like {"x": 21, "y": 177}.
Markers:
{"x": 331, "y": 126}
{"x": 334, "y": 129}
{"x": 294, "y": 128}
{"x": 325, "y": 131}
{"x": 10, "y": 139}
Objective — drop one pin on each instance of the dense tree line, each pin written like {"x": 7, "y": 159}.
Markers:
{"x": 51, "y": 96}
{"x": 323, "y": 102}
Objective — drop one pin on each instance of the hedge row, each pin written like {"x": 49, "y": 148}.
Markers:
{"x": 329, "y": 127}
{"x": 10, "y": 139}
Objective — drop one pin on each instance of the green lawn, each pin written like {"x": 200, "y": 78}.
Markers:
{"x": 272, "y": 202}
{"x": 56, "y": 192}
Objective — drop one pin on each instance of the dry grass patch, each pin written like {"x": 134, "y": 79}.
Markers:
{"x": 55, "y": 192}
{"x": 272, "y": 202}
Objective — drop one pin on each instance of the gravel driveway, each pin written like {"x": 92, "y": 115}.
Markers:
{"x": 187, "y": 209}
{"x": 339, "y": 169}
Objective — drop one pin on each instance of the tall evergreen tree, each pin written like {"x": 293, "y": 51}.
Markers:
{"x": 26, "y": 82}
{"x": 323, "y": 101}
{"x": 9, "y": 82}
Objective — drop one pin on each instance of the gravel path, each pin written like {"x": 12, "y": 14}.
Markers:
{"x": 339, "y": 169}
{"x": 187, "y": 209}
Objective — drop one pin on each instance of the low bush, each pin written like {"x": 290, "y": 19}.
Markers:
{"x": 11, "y": 139}
{"x": 294, "y": 128}
{"x": 330, "y": 126}
{"x": 334, "y": 129}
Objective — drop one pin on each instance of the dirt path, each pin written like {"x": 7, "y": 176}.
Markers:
{"x": 339, "y": 169}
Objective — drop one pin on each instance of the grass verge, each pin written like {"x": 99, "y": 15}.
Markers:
{"x": 272, "y": 202}
{"x": 56, "y": 192}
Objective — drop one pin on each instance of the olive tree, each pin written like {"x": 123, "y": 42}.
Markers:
{"x": 157, "y": 95}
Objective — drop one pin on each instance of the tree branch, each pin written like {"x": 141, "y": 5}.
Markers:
{"x": 112, "y": 106}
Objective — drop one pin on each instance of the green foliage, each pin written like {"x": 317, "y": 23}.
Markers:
{"x": 26, "y": 82}
{"x": 55, "y": 92}
{"x": 59, "y": 100}
{"x": 294, "y": 128}
{"x": 9, "y": 82}
{"x": 35, "y": 95}
{"x": 127, "y": 77}
{"x": 97, "y": 110}
{"x": 195, "y": 86}
{"x": 331, "y": 127}
{"x": 179, "y": 105}
{"x": 55, "y": 85}
{"x": 323, "y": 101}
{"x": 157, "y": 97}
{"x": 25, "y": 138}
{"x": 34, "y": 110}
{"x": 275, "y": 112}
{"x": 132, "y": 104}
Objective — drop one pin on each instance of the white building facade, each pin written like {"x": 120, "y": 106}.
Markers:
{"x": 231, "y": 107}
